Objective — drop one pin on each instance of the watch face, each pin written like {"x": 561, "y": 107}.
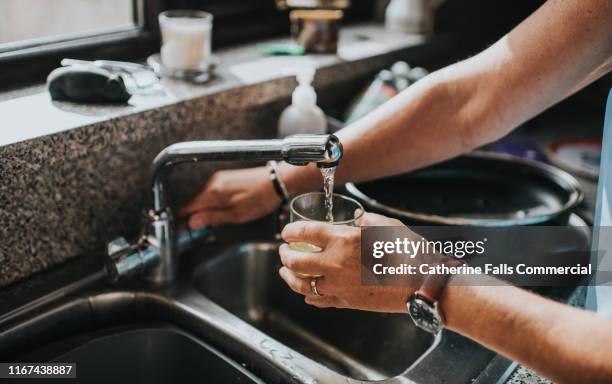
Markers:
{"x": 425, "y": 315}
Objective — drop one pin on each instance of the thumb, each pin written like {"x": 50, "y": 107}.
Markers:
{"x": 375, "y": 220}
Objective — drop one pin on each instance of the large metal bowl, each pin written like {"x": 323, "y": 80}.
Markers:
{"x": 479, "y": 189}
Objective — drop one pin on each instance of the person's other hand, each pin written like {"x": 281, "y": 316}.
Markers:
{"x": 232, "y": 196}
{"x": 338, "y": 265}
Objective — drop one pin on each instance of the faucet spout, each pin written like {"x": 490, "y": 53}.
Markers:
{"x": 325, "y": 150}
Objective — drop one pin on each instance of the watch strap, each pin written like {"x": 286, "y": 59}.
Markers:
{"x": 433, "y": 285}
{"x": 430, "y": 293}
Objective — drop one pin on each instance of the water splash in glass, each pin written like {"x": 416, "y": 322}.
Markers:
{"x": 328, "y": 187}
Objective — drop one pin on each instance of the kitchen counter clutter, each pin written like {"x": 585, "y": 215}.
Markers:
{"x": 244, "y": 79}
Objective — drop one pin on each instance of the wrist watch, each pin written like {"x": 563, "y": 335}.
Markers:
{"x": 424, "y": 305}
{"x": 425, "y": 311}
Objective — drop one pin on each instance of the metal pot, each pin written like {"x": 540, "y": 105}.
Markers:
{"x": 477, "y": 189}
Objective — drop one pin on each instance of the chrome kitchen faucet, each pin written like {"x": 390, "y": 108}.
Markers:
{"x": 156, "y": 253}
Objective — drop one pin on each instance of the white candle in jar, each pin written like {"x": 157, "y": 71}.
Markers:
{"x": 186, "y": 39}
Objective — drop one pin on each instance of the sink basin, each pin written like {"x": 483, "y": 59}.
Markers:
{"x": 363, "y": 345}
{"x": 160, "y": 354}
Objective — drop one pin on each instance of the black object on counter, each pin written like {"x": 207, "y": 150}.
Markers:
{"x": 481, "y": 189}
{"x": 87, "y": 83}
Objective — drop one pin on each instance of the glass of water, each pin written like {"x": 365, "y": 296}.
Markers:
{"x": 312, "y": 207}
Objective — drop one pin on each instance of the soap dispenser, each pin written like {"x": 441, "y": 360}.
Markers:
{"x": 303, "y": 115}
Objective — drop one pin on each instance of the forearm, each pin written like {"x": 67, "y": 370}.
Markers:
{"x": 437, "y": 119}
{"x": 566, "y": 344}
{"x": 429, "y": 122}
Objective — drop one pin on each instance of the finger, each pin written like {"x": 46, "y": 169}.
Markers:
{"x": 297, "y": 285}
{"x": 312, "y": 232}
{"x": 375, "y": 220}
{"x": 211, "y": 217}
{"x": 207, "y": 199}
{"x": 327, "y": 301}
{"x": 301, "y": 285}
{"x": 303, "y": 262}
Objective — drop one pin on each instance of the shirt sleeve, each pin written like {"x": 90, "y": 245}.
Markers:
{"x": 599, "y": 294}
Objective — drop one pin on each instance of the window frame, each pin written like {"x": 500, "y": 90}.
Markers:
{"x": 37, "y": 57}
{"x": 67, "y": 40}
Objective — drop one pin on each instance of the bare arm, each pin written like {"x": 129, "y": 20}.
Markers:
{"x": 562, "y": 47}
{"x": 566, "y": 344}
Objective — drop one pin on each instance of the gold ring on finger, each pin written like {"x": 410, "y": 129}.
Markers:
{"x": 313, "y": 287}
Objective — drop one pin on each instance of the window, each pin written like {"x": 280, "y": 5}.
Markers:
{"x": 27, "y": 23}
{"x": 28, "y": 26}
{"x": 36, "y": 34}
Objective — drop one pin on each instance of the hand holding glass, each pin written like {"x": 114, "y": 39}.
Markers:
{"x": 311, "y": 207}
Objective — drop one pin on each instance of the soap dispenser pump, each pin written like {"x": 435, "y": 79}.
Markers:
{"x": 303, "y": 115}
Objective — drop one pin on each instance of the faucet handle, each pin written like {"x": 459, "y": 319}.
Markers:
{"x": 124, "y": 259}
{"x": 116, "y": 246}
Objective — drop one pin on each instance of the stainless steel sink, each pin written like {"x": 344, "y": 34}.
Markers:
{"x": 144, "y": 354}
{"x": 362, "y": 345}
{"x": 233, "y": 302}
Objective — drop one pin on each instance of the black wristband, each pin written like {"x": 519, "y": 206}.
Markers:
{"x": 276, "y": 183}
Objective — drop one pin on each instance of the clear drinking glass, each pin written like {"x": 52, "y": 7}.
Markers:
{"x": 311, "y": 207}
{"x": 186, "y": 39}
